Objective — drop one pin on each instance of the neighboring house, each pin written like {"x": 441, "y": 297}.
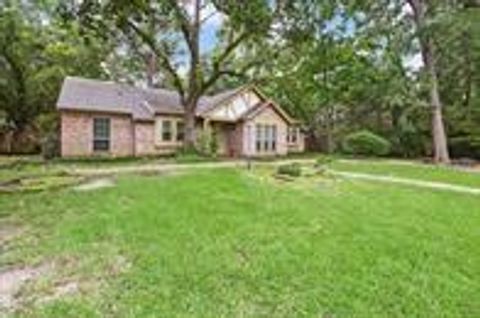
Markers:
{"x": 106, "y": 118}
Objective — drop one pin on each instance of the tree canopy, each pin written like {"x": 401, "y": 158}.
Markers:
{"x": 405, "y": 70}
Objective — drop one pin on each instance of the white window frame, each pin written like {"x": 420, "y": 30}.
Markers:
{"x": 170, "y": 131}
{"x": 174, "y": 131}
{"x": 292, "y": 135}
{"x": 107, "y": 139}
{"x": 274, "y": 138}
{"x": 266, "y": 140}
{"x": 179, "y": 133}
{"x": 258, "y": 138}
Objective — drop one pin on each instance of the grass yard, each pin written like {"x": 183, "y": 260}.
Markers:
{"x": 226, "y": 243}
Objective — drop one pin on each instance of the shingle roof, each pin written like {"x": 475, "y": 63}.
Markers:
{"x": 79, "y": 93}
{"x": 94, "y": 95}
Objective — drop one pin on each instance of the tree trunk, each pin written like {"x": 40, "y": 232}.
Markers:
{"x": 440, "y": 147}
{"x": 469, "y": 70}
{"x": 329, "y": 141}
{"x": 193, "y": 80}
{"x": 189, "y": 119}
{"x": 440, "y": 150}
{"x": 329, "y": 130}
{"x": 9, "y": 141}
{"x": 151, "y": 67}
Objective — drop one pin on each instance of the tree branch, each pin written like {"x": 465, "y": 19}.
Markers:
{"x": 218, "y": 63}
{"x": 227, "y": 72}
{"x": 163, "y": 57}
{"x": 184, "y": 23}
{"x": 229, "y": 49}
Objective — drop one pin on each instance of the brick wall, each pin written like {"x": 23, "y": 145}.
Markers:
{"x": 77, "y": 134}
{"x": 299, "y": 146}
{"x": 144, "y": 138}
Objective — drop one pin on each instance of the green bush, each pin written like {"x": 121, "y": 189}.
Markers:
{"x": 366, "y": 143}
{"x": 465, "y": 147}
{"x": 50, "y": 146}
{"x": 48, "y": 125}
{"x": 185, "y": 155}
{"x": 207, "y": 144}
{"x": 292, "y": 170}
{"x": 213, "y": 145}
{"x": 324, "y": 160}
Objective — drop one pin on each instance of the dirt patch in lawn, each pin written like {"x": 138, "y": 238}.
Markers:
{"x": 12, "y": 280}
{"x": 61, "y": 290}
{"x": 38, "y": 183}
{"x": 9, "y": 232}
{"x": 24, "y": 287}
{"x": 95, "y": 184}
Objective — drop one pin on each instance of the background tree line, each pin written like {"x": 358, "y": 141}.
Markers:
{"x": 404, "y": 70}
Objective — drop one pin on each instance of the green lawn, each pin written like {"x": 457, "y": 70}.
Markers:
{"x": 406, "y": 169}
{"x": 225, "y": 243}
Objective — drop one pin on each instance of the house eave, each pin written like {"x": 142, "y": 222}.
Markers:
{"x": 89, "y": 110}
{"x": 220, "y": 102}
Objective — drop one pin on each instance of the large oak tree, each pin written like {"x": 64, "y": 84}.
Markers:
{"x": 173, "y": 33}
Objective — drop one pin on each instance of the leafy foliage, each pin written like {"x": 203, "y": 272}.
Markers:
{"x": 339, "y": 67}
{"x": 366, "y": 143}
{"x": 207, "y": 143}
{"x": 35, "y": 56}
{"x": 292, "y": 170}
{"x": 324, "y": 160}
{"x": 48, "y": 125}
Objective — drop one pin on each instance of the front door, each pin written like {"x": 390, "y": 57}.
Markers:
{"x": 224, "y": 135}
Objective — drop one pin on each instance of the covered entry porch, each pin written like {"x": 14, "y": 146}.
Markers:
{"x": 227, "y": 137}
{"x": 247, "y": 124}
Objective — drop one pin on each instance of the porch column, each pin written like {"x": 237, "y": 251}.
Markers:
{"x": 248, "y": 135}
{"x": 206, "y": 123}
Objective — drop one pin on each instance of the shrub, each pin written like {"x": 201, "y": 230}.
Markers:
{"x": 207, "y": 144}
{"x": 465, "y": 147}
{"x": 324, "y": 160}
{"x": 366, "y": 143}
{"x": 292, "y": 170}
{"x": 48, "y": 124}
{"x": 186, "y": 155}
{"x": 50, "y": 146}
{"x": 213, "y": 144}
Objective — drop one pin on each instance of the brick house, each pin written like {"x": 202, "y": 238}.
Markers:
{"x": 106, "y": 118}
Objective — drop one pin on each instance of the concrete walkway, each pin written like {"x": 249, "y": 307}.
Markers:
{"x": 409, "y": 182}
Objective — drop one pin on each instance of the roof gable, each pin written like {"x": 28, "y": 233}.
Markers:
{"x": 256, "y": 111}
{"x": 235, "y": 105}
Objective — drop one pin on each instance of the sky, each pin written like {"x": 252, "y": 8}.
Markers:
{"x": 413, "y": 62}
